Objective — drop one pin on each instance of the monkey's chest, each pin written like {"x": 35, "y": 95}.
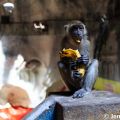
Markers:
{"x": 73, "y": 77}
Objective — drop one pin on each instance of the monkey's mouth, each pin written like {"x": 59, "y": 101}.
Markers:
{"x": 78, "y": 41}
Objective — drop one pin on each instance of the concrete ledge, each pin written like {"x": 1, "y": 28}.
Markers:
{"x": 98, "y": 105}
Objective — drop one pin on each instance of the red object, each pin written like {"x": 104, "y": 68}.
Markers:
{"x": 14, "y": 113}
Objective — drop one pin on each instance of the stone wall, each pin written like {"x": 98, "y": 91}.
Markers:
{"x": 57, "y": 13}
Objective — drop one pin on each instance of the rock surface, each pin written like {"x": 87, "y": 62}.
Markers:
{"x": 98, "y": 105}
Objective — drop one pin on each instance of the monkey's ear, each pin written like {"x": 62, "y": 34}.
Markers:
{"x": 66, "y": 27}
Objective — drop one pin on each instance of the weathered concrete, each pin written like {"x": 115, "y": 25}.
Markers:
{"x": 98, "y": 105}
{"x": 95, "y": 106}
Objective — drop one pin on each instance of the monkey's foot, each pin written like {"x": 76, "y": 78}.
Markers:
{"x": 80, "y": 93}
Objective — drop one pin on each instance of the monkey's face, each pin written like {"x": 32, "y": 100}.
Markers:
{"x": 76, "y": 33}
{"x": 33, "y": 64}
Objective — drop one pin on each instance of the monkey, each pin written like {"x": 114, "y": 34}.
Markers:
{"x": 76, "y": 38}
{"x": 102, "y": 36}
{"x": 34, "y": 72}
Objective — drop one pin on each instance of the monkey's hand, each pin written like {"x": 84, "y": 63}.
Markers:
{"x": 76, "y": 75}
{"x": 80, "y": 93}
{"x": 84, "y": 59}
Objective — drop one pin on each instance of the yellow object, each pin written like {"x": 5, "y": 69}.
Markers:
{"x": 105, "y": 84}
{"x": 82, "y": 70}
{"x": 74, "y": 54}
{"x": 70, "y": 53}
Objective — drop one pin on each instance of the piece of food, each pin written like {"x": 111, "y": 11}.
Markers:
{"x": 70, "y": 53}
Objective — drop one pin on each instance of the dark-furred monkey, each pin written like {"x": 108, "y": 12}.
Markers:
{"x": 76, "y": 39}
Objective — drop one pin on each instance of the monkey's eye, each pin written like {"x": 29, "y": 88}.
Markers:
{"x": 75, "y": 29}
{"x": 78, "y": 27}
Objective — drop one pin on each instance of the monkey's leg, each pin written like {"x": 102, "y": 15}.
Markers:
{"x": 89, "y": 80}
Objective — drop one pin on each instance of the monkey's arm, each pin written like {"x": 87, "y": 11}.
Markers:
{"x": 84, "y": 59}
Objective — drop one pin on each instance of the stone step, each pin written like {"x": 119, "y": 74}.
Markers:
{"x": 98, "y": 105}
